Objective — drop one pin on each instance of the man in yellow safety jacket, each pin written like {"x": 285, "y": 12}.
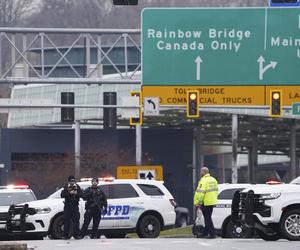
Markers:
{"x": 206, "y": 196}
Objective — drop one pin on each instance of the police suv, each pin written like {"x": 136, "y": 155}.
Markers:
{"x": 221, "y": 215}
{"x": 272, "y": 210}
{"x": 222, "y": 212}
{"x": 9, "y": 195}
{"x": 142, "y": 206}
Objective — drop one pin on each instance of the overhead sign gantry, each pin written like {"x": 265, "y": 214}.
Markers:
{"x": 235, "y": 56}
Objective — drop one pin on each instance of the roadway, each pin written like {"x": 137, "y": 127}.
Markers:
{"x": 161, "y": 243}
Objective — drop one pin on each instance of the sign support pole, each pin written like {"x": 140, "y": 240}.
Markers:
{"x": 197, "y": 161}
{"x": 252, "y": 158}
{"x": 293, "y": 151}
{"x": 138, "y": 145}
{"x": 77, "y": 149}
{"x": 234, "y": 148}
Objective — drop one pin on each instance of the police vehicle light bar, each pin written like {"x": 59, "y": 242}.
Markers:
{"x": 14, "y": 187}
{"x": 109, "y": 178}
{"x": 273, "y": 182}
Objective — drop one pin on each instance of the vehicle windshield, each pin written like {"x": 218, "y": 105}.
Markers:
{"x": 296, "y": 181}
{"x": 7, "y": 199}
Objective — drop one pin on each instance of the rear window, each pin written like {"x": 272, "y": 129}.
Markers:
{"x": 150, "y": 189}
{"x": 118, "y": 191}
{"x": 228, "y": 193}
{"x": 7, "y": 199}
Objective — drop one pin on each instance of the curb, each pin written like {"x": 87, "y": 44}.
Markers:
{"x": 13, "y": 246}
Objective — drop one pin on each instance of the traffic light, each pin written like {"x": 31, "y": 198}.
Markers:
{"x": 193, "y": 104}
{"x": 137, "y": 120}
{"x": 125, "y": 2}
{"x": 284, "y": 1}
{"x": 109, "y": 114}
{"x": 67, "y": 114}
{"x": 275, "y": 103}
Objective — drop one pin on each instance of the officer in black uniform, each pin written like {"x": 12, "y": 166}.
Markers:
{"x": 72, "y": 193}
{"x": 96, "y": 202}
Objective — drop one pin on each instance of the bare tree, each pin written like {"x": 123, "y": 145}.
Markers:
{"x": 13, "y": 11}
{"x": 72, "y": 14}
{"x": 45, "y": 172}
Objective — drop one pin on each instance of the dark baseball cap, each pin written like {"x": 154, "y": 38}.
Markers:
{"x": 71, "y": 178}
{"x": 95, "y": 179}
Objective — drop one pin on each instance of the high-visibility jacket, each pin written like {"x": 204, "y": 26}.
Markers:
{"x": 207, "y": 191}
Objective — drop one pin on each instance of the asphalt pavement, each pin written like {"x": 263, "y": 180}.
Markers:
{"x": 161, "y": 244}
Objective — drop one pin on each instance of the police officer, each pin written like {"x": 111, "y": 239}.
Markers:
{"x": 206, "y": 196}
{"x": 72, "y": 193}
{"x": 96, "y": 202}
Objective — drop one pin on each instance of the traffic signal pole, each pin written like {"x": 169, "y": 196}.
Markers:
{"x": 234, "y": 175}
{"x": 77, "y": 149}
{"x": 198, "y": 159}
{"x": 293, "y": 150}
{"x": 138, "y": 145}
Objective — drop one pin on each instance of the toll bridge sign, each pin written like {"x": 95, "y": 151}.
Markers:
{"x": 217, "y": 46}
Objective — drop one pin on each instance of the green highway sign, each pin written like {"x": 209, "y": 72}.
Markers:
{"x": 296, "y": 108}
{"x": 217, "y": 46}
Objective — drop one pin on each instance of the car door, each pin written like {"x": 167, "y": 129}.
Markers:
{"x": 223, "y": 208}
{"x": 105, "y": 221}
{"x": 124, "y": 205}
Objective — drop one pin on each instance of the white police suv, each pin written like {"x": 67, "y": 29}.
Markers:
{"x": 9, "y": 195}
{"x": 273, "y": 211}
{"x": 221, "y": 215}
{"x": 222, "y": 212}
{"x": 142, "y": 206}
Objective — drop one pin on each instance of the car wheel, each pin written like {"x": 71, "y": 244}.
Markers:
{"x": 182, "y": 221}
{"x": 290, "y": 224}
{"x": 237, "y": 230}
{"x": 149, "y": 227}
{"x": 57, "y": 231}
{"x": 268, "y": 237}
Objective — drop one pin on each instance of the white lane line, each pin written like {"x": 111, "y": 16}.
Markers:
{"x": 237, "y": 248}
{"x": 204, "y": 244}
{"x": 142, "y": 242}
{"x": 179, "y": 241}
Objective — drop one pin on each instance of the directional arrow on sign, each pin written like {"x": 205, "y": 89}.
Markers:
{"x": 263, "y": 69}
{"x": 151, "y": 102}
{"x": 198, "y": 62}
{"x": 151, "y": 106}
{"x": 149, "y": 176}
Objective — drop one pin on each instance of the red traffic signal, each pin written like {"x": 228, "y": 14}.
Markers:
{"x": 193, "y": 104}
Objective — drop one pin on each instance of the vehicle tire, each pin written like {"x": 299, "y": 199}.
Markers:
{"x": 290, "y": 224}
{"x": 198, "y": 231}
{"x": 268, "y": 237}
{"x": 115, "y": 235}
{"x": 57, "y": 231}
{"x": 149, "y": 227}
{"x": 236, "y": 230}
{"x": 31, "y": 237}
{"x": 182, "y": 221}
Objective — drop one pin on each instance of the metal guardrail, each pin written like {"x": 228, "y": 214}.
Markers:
{"x": 17, "y": 44}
